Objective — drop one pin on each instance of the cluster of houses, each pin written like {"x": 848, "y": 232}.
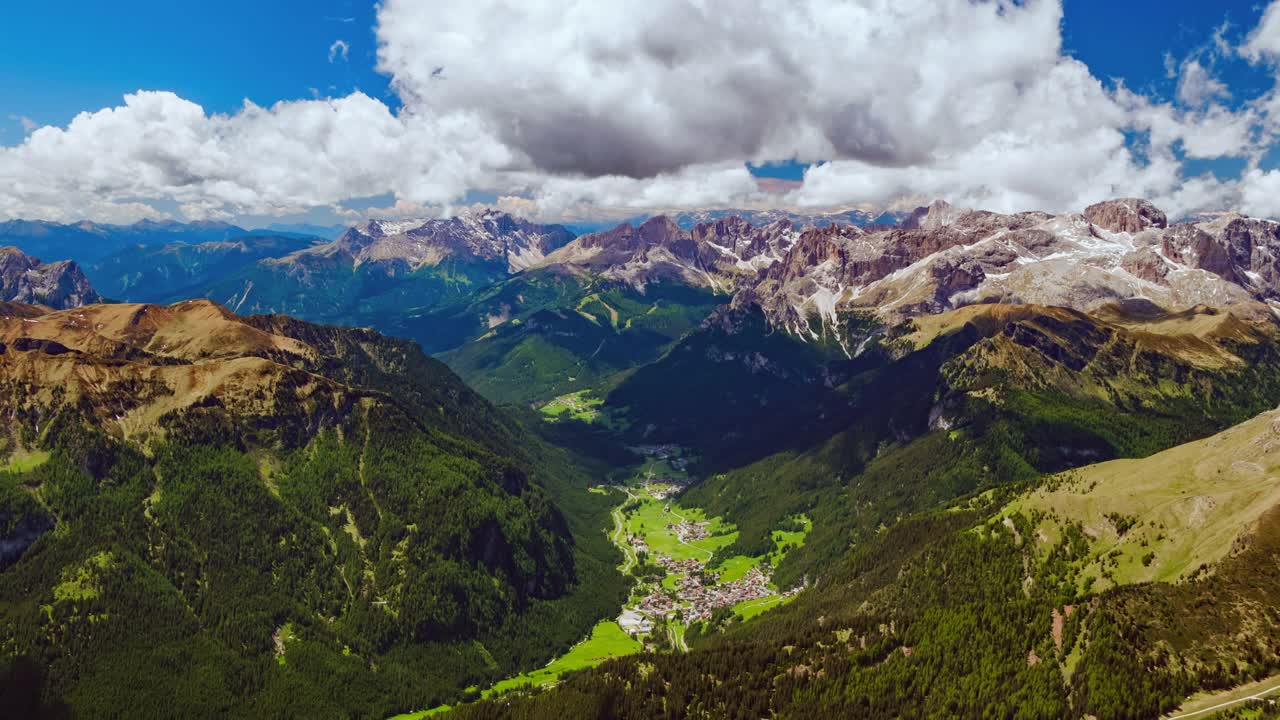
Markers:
{"x": 673, "y": 454}
{"x": 689, "y": 531}
{"x": 694, "y": 598}
{"x": 665, "y": 488}
{"x": 705, "y": 599}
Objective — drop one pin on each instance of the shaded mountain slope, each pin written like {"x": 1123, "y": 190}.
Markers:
{"x": 153, "y": 273}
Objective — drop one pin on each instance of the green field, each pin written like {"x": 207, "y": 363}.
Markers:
{"x": 650, "y": 521}
{"x": 751, "y": 608}
{"x": 25, "y": 462}
{"x": 423, "y": 713}
{"x": 607, "y": 641}
{"x": 789, "y": 539}
{"x": 735, "y": 567}
{"x": 581, "y": 405}
{"x": 656, "y": 470}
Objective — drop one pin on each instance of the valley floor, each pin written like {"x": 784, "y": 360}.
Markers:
{"x": 670, "y": 549}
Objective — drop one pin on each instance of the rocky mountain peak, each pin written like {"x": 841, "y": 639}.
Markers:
{"x": 484, "y": 236}
{"x": 1129, "y": 215}
{"x": 938, "y": 214}
{"x": 58, "y": 285}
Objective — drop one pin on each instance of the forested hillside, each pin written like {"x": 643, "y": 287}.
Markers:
{"x": 929, "y": 594}
{"x": 309, "y": 520}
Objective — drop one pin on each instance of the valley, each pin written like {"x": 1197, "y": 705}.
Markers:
{"x": 679, "y": 579}
{"x": 668, "y": 469}
{"x": 675, "y": 360}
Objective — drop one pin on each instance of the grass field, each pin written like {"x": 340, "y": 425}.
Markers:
{"x": 581, "y": 405}
{"x": 423, "y": 713}
{"x": 655, "y": 469}
{"x": 650, "y": 521}
{"x": 751, "y": 608}
{"x": 1159, "y": 518}
{"x": 607, "y": 641}
{"x": 27, "y": 461}
{"x": 789, "y": 539}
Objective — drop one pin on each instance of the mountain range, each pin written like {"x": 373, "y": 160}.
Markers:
{"x": 990, "y": 464}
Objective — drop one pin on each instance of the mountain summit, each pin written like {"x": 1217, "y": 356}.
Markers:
{"x": 57, "y": 284}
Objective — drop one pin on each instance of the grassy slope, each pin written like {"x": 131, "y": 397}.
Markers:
{"x": 607, "y": 641}
{"x": 1161, "y": 517}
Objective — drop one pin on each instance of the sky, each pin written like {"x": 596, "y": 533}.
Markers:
{"x": 333, "y": 111}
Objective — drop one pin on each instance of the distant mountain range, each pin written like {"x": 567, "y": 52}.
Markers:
{"x": 686, "y": 220}
{"x": 1035, "y": 458}
{"x": 86, "y": 242}
{"x": 479, "y": 276}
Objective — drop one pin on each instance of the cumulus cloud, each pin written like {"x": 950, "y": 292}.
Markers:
{"x": 1263, "y": 43}
{"x": 276, "y": 160}
{"x": 589, "y": 108}
{"x": 639, "y": 90}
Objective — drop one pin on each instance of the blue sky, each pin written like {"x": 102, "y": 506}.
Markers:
{"x": 61, "y": 58}
{"x": 216, "y": 54}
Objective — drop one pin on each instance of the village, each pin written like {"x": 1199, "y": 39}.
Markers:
{"x": 689, "y": 590}
{"x": 698, "y": 592}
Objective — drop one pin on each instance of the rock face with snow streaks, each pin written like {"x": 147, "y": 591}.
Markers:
{"x": 941, "y": 258}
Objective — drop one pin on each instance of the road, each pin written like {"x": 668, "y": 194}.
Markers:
{"x": 676, "y": 634}
{"x": 1255, "y": 696}
{"x": 681, "y": 540}
{"x": 619, "y": 529}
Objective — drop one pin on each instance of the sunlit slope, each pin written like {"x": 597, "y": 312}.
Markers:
{"x": 1165, "y": 516}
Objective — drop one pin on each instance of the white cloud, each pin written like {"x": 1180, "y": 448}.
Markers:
{"x": 641, "y": 89}
{"x": 579, "y": 107}
{"x": 282, "y": 159}
{"x": 1263, "y": 43}
{"x": 1197, "y": 86}
{"x": 339, "y": 49}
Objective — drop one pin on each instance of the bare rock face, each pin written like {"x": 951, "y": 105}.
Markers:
{"x": 1195, "y": 248}
{"x": 1128, "y": 215}
{"x": 952, "y": 276}
{"x": 1146, "y": 264}
{"x": 943, "y": 258}
{"x": 59, "y": 285}
{"x": 490, "y": 237}
{"x": 939, "y": 214}
{"x": 724, "y": 254}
